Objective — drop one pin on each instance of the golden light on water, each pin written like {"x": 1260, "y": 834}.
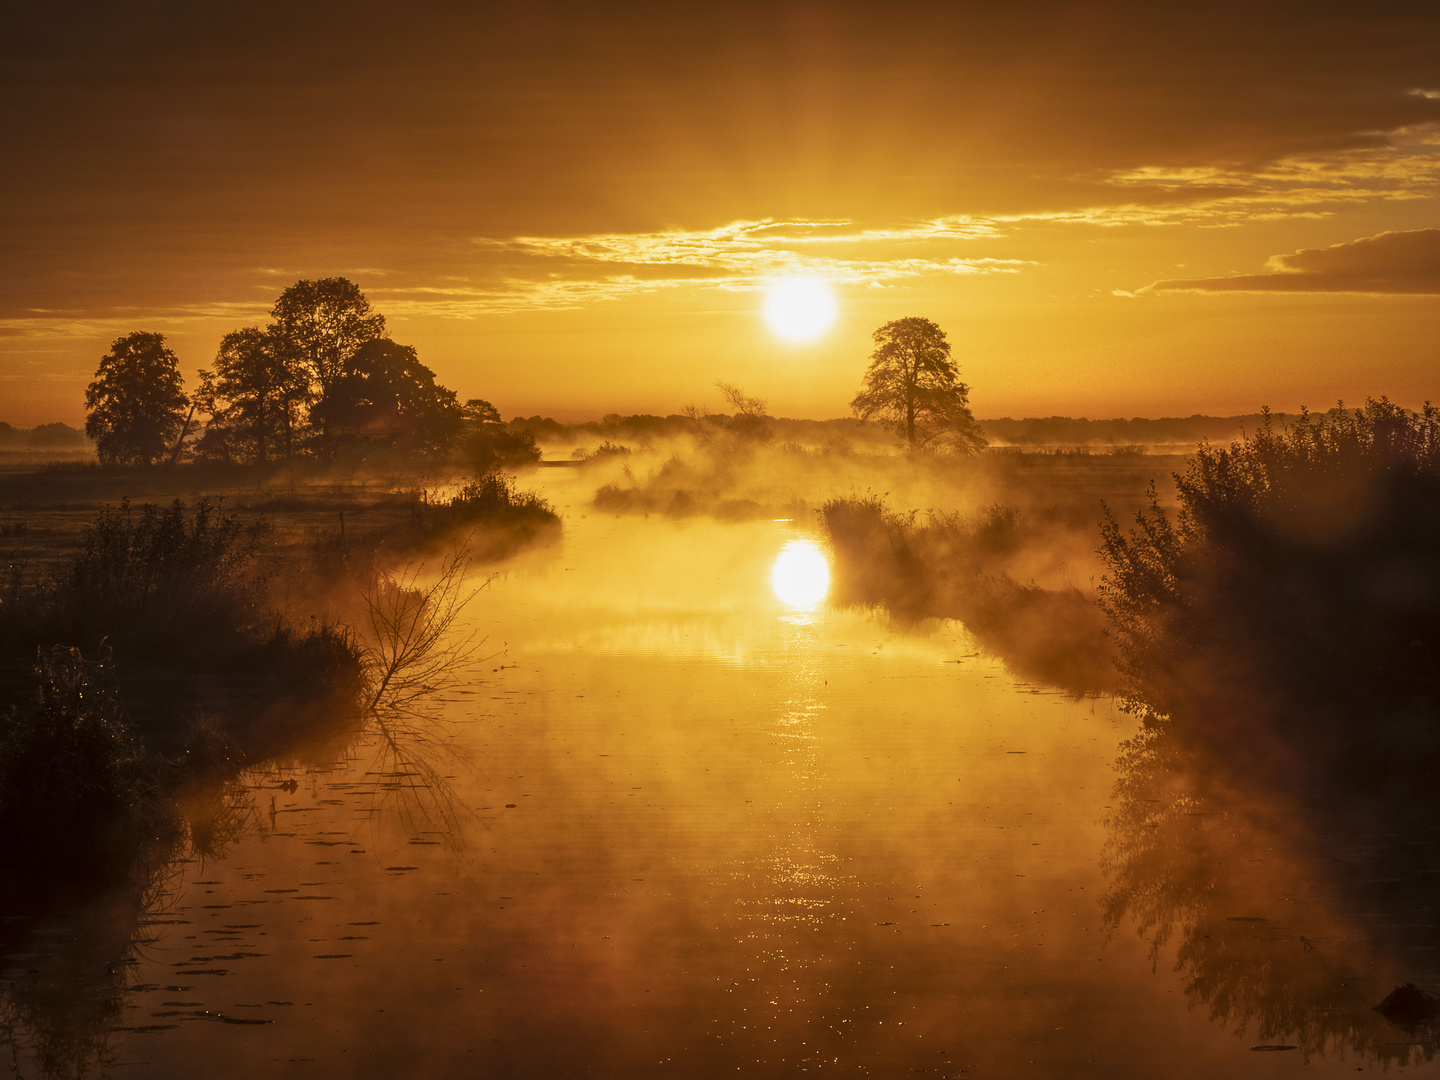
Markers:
{"x": 800, "y": 308}
{"x": 801, "y": 575}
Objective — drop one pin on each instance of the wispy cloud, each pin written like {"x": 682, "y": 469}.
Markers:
{"x": 1402, "y": 165}
{"x": 1390, "y": 262}
{"x": 528, "y": 272}
{"x": 87, "y": 325}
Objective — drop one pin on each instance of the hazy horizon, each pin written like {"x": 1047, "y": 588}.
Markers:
{"x": 1113, "y": 210}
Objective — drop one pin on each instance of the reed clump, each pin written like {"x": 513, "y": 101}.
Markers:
{"x": 490, "y": 512}
{"x": 1291, "y": 607}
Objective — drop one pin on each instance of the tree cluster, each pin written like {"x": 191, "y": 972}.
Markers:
{"x": 322, "y": 379}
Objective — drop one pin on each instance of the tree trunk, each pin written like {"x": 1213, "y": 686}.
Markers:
{"x": 260, "y": 426}
{"x": 184, "y": 430}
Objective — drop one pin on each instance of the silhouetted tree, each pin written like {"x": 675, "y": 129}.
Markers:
{"x": 262, "y": 390}
{"x": 913, "y": 387}
{"x": 478, "y": 411}
{"x": 488, "y": 444}
{"x": 136, "y": 404}
{"x": 317, "y": 327}
{"x": 749, "y": 420}
{"x": 218, "y": 439}
{"x": 384, "y": 393}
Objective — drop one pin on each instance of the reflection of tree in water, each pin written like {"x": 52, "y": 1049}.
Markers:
{"x": 1280, "y": 635}
{"x": 1291, "y": 923}
{"x": 67, "y": 949}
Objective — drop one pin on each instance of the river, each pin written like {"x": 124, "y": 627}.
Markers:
{"x": 686, "y": 819}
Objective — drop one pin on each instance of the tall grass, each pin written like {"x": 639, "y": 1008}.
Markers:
{"x": 77, "y": 784}
{"x": 162, "y": 579}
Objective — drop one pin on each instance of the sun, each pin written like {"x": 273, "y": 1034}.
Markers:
{"x": 799, "y": 308}
{"x": 800, "y": 575}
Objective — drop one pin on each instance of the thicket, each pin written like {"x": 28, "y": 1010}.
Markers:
{"x": 1295, "y": 595}
{"x": 148, "y": 660}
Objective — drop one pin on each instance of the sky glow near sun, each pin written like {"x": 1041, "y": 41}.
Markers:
{"x": 1182, "y": 211}
{"x": 800, "y": 308}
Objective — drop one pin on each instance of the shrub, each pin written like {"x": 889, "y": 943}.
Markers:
{"x": 160, "y": 579}
{"x": 76, "y": 784}
{"x": 1300, "y": 579}
{"x": 607, "y": 449}
{"x": 499, "y": 518}
{"x": 496, "y": 496}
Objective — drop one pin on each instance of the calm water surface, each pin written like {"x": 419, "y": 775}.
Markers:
{"x": 704, "y": 832}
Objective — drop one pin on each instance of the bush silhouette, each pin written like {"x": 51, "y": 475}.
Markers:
{"x": 1299, "y": 581}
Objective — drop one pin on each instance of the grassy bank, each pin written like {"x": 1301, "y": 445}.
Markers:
{"x": 163, "y": 650}
{"x": 45, "y": 510}
{"x": 148, "y": 662}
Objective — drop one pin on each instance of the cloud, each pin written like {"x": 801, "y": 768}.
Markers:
{"x": 534, "y": 271}
{"x": 70, "y": 325}
{"x": 1391, "y": 262}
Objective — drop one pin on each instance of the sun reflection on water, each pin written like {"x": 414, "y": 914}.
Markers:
{"x": 801, "y": 575}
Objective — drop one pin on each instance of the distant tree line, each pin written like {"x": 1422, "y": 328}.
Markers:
{"x": 41, "y": 437}
{"x": 1188, "y": 430}
{"x": 322, "y": 380}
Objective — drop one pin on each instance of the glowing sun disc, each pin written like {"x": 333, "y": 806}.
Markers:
{"x": 799, "y": 308}
{"x": 801, "y": 575}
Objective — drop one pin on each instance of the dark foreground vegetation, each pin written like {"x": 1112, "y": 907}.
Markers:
{"x": 142, "y": 749}
{"x": 153, "y": 661}
{"x": 1284, "y": 601}
{"x": 170, "y": 648}
{"x": 1290, "y": 609}
{"x": 1279, "y": 637}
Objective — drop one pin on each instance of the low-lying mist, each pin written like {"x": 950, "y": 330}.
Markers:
{"x": 1003, "y": 541}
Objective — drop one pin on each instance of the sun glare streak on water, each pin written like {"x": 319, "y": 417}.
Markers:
{"x": 801, "y": 576}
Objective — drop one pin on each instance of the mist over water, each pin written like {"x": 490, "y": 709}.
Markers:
{"x": 689, "y": 817}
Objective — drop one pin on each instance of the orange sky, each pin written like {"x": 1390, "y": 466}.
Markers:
{"x": 573, "y": 209}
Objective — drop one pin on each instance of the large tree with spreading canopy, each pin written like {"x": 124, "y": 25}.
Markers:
{"x": 319, "y": 325}
{"x": 384, "y": 393}
{"x": 913, "y": 387}
{"x": 262, "y": 390}
{"x": 136, "y": 404}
